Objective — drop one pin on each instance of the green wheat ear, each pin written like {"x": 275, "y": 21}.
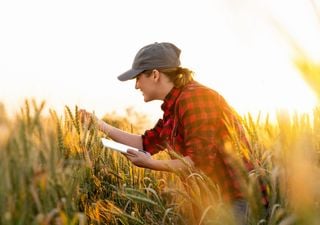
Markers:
{"x": 74, "y": 120}
{"x": 54, "y": 115}
{"x": 77, "y": 119}
{"x": 25, "y": 112}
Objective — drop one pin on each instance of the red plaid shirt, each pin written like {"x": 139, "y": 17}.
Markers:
{"x": 193, "y": 125}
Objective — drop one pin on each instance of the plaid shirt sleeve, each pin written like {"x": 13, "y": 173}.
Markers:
{"x": 150, "y": 138}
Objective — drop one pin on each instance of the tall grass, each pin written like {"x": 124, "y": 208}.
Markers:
{"x": 54, "y": 170}
{"x": 36, "y": 187}
{"x": 289, "y": 164}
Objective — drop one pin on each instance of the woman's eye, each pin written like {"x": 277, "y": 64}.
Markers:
{"x": 138, "y": 77}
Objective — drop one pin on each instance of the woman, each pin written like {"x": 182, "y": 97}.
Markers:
{"x": 193, "y": 123}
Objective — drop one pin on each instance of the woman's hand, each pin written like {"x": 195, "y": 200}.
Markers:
{"x": 144, "y": 160}
{"x": 139, "y": 158}
{"x": 86, "y": 117}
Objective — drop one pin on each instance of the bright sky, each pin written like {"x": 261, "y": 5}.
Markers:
{"x": 70, "y": 52}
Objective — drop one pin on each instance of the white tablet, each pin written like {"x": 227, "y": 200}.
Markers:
{"x": 116, "y": 145}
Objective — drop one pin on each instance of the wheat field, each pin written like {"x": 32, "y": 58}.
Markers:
{"x": 54, "y": 170}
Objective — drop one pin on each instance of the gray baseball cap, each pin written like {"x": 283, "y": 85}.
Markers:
{"x": 153, "y": 56}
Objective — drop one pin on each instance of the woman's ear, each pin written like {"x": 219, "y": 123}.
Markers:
{"x": 155, "y": 75}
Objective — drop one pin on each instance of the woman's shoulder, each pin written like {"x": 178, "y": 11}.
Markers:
{"x": 196, "y": 94}
{"x": 195, "y": 88}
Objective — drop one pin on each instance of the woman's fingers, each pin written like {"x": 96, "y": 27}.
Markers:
{"x": 132, "y": 153}
{"x": 85, "y": 116}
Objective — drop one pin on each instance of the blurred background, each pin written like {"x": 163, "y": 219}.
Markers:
{"x": 70, "y": 52}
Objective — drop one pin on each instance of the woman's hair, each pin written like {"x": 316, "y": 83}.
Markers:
{"x": 178, "y": 75}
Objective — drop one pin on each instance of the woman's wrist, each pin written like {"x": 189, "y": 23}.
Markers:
{"x": 104, "y": 127}
{"x": 156, "y": 164}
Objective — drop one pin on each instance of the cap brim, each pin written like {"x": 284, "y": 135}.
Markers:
{"x": 130, "y": 74}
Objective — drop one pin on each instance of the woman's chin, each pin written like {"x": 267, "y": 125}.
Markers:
{"x": 147, "y": 99}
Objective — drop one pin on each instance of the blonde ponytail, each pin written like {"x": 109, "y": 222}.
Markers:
{"x": 179, "y": 76}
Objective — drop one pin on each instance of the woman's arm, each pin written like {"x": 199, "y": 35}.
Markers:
{"x": 133, "y": 140}
{"x": 114, "y": 133}
{"x": 143, "y": 160}
{"x": 137, "y": 158}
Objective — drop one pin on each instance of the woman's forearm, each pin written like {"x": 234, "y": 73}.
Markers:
{"x": 134, "y": 140}
{"x": 172, "y": 165}
{"x": 121, "y": 136}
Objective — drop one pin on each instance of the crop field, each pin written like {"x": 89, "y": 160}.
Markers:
{"x": 54, "y": 170}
